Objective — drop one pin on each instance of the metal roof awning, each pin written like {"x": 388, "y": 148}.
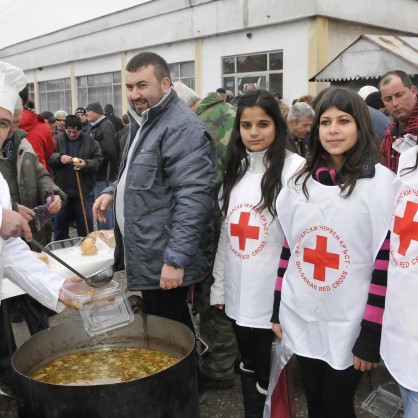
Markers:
{"x": 371, "y": 56}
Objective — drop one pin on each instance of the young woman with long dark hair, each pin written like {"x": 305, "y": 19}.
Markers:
{"x": 257, "y": 167}
{"x": 331, "y": 283}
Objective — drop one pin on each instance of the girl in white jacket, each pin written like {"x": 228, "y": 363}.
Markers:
{"x": 257, "y": 167}
{"x": 399, "y": 346}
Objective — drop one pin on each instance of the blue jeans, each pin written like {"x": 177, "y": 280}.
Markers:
{"x": 410, "y": 402}
{"x": 98, "y": 188}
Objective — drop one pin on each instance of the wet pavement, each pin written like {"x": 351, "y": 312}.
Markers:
{"x": 218, "y": 403}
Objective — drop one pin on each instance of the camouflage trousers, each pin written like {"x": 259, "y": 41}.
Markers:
{"x": 216, "y": 330}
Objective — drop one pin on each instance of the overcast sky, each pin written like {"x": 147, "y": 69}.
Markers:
{"x": 25, "y": 19}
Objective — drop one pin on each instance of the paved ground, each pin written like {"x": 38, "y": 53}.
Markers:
{"x": 219, "y": 403}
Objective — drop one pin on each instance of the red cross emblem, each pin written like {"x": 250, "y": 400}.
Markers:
{"x": 406, "y": 228}
{"x": 320, "y": 258}
{"x": 243, "y": 230}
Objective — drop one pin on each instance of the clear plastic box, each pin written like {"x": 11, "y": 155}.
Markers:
{"x": 382, "y": 403}
{"x": 79, "y": 291}
{"x": 404, "y": 143}
{"x": 64, "y": 244}
{"x": 105, "y": 312}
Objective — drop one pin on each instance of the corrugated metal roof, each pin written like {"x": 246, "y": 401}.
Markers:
{"x": 371, "y": 56}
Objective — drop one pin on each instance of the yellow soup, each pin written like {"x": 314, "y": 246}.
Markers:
{"x": 104, "y": 366}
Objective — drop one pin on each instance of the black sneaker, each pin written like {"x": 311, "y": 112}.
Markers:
{"x": 16, "y": 318}
{"x": 216, "y": 384}
{"x": 6, "y": 377}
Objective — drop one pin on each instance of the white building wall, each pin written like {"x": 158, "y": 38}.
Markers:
{"x": 291, "y": 38}
{"x": 172, "y": 28}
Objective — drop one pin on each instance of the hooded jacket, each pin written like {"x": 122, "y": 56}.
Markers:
{"x": 39, "y": 135}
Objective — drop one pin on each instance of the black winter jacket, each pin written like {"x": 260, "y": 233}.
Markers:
{"x": 168, "y": 196}
{"x": 89, "y": 151}
{"x": 104, "y": 133}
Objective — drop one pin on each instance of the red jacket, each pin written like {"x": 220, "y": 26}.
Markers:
{"x": 39, "y": 135}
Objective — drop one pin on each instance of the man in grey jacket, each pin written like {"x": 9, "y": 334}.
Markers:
{"x": 164, "y": 193}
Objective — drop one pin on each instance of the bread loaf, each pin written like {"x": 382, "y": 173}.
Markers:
{"x": 107, "y": 236}
{"x": 88, "y": 246}
{"x": 43, "y": 257}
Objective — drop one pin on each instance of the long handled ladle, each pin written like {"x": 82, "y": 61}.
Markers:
{"x": 98, "y": 279}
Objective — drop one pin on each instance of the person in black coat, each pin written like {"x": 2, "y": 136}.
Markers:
{"x": 76, "y": 160}
{"x": 110, "y": 114}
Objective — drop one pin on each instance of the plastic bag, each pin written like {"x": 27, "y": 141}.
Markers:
{"x": 280, "y": 356}
{"x": 42, "y": 214}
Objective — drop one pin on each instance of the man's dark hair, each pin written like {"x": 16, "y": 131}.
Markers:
{"x": 109, "y": 108}
{"x": 406, "y": 80}
{"x": 144, "y": 59}
{"x": 24, "y": 95}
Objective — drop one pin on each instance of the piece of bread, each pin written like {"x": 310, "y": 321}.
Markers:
{"x": 88, "y": 246}
{"x": 105, "y": 235}
{"x": 76, "y": 160}
{"x": 43, "y": 257}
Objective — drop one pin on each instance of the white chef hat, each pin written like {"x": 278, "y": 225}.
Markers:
{"x": 12, "y": 81}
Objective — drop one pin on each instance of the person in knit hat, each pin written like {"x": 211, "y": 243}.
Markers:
{"x": 76, "y": 159}
{"x": 80, "y": 112}
{"x": 103, "y": 131}
{"x": 95, "y": 107}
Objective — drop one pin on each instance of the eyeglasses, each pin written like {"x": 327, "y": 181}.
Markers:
{"x": 60, "y": 120}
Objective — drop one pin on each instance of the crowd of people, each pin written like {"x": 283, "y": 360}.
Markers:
{"x": 290, "y": 222}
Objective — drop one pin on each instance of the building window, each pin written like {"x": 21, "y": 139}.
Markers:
{"x": 31, "y": 90}
{"x": 104, "y": 88}
{"x": 261, "y": 71}
{"x": 55, "y": 95}
{"x": 184, "y": 72}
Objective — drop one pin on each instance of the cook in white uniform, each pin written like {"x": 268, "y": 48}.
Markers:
{"x": 16, "y": 260}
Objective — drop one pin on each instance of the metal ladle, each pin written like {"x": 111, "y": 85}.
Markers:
{"x": 98, "y": 279}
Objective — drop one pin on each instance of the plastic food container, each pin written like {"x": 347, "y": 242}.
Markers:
{"x": 64, "y": 244}
{"x": 382, "y": 403}
{"x": 105, "y": 312}
{"x": 102, "y": 309}
{"x": 81, "y": 291}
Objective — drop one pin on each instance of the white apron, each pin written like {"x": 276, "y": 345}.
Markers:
{"x": 4, "y": 204}
{"x": 334, "y": 242}
{"x": 399, "y": 346}
{"x": 24, "y": 269}
{"x": 252, "y": 242}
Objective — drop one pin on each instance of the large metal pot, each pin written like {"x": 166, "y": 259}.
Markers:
{"x": 171, "y": 393}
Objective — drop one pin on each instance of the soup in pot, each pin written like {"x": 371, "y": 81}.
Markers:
{"x": 104, "y": 366}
